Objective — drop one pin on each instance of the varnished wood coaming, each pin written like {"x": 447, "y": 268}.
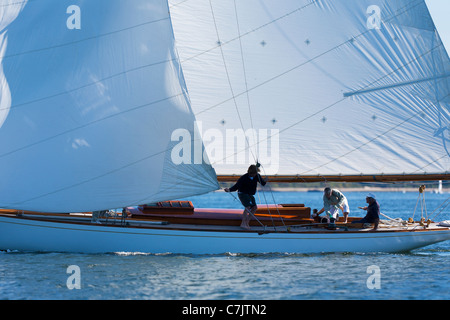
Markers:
{"x": 271, "y": 215}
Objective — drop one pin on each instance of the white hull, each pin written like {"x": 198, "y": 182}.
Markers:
{"x": 47, "y": 236}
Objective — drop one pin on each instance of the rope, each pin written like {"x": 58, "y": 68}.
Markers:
{"x": 421, "y": 199}
{"x": 273, "y": 199}
{"x": 424, "y": 206}
{"x": 395, "y": 222}
{"x": 414, "y": 212}
{"x": 267, "y": 206}
{"x": 442, "y": 207}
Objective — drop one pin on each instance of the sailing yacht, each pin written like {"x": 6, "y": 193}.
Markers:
{"x": 110, "y": 104}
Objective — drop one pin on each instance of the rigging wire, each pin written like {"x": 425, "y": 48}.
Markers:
{"x": 440, "y": 209}
{"x": 251, "y": 214}
{"x": 230, "y": 84}
{"x": 251, "y": 121}
{"x": 250, "y": 112}
{"x": 246, "y": 90}
{"x": 245, "y": 77}
{"x": 229, "y": 80}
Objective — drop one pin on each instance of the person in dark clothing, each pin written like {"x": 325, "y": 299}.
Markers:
{"x": 246, "y": 188}
{"x": 373, "y": 211}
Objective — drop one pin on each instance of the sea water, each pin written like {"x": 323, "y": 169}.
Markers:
{"x": 420, "y": 274}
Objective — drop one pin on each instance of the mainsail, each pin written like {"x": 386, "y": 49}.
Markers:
{"x": 92, "y": 93}
{"x": 320, "y": 87}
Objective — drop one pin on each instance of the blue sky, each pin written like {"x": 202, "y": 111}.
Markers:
{"x": 440, "y": 11}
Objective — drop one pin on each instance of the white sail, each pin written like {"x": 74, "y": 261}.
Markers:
{"x": 9, "y": 10}
{"x": 94, "y": 92}
{"x": 323, "y": 87}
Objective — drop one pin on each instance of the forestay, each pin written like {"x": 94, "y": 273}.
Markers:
{"x": 91, "y": 93}
{"x": 328, "y": 87}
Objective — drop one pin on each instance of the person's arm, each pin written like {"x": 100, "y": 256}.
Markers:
{"x": 235, "y": 187}
{"x": 261, "y": 180}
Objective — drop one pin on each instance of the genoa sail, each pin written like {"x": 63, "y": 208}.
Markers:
{"x": 317, "y": 88}
{"x": 94, "y": 93}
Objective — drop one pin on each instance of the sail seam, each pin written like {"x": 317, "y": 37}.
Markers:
{"x": 90, "y": 84}
{"x": 15, "y": 3}
{"x": 12, "y": 206}
{"x": 83, "y": 40}
{"x": 430, "y": 163}
{"x": 89, "y": 124}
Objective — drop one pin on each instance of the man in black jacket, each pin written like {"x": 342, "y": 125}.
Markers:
{"x": 373, "y": 212}
{"x": 246, "y": 188}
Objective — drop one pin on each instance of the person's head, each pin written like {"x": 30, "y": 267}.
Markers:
{"x": 370, "y": 198}
{"x": 253, "y": 170}
{"x": 327, "y": 192}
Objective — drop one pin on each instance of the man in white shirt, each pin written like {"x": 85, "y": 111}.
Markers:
{"x": 333, "y": 200}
